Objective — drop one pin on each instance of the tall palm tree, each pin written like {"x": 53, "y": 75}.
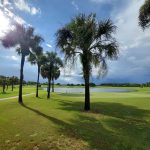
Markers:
{"x": 55, "y": 76}
{"x": 144, "y": 15}
{"x": 22, "y": 37}
{"x": 46, "y": 71}
{"x": 90, "y": 40}
{"x": 37, "y": 57}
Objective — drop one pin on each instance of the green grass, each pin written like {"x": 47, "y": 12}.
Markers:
{"x": 9, "y": 93}
{"x": 117, "y": 121}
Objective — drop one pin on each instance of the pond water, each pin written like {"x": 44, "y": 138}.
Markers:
{"x": 81, "y": 90}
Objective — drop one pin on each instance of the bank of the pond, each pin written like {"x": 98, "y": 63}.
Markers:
{"x": 93, "y": 90}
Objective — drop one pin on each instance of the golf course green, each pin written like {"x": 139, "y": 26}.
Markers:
{"x": 117, "y": 121}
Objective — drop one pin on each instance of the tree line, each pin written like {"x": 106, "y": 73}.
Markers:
{"x": 5, "y": 82}
{"x": 147, "y": 84}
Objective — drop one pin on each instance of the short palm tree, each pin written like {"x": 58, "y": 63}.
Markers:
{"x": 46, "y": 70}
{"x": 22, "y": 37}
{"x": 55, "y": 76}
{"x": 13, "y": 80}
{"x": 90, "y": 40}
{"x": 37, "y": 57}
{"x": 144, "y": 15}
{"x": 46, "y": 74}
{"x": 4, "y": 84}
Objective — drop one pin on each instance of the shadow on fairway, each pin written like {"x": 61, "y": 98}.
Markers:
{"x": 123, "y": 129}
{"x": 109, "y": 109}
{"x": 44, "y": 115}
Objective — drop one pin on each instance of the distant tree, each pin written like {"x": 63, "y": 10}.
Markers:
{"x": 144, "y": 15}
{"x": 92, "y": 84}
{"x": 55, "y": 75}
{"x": 58, "y": 84}
{"x": 92, "y": 42}
{"x": 7, "y": 82}
{"x": 46, "y": 73}
{"x": 4, "y": 84}
{"x": 37, "y": 57}
{"x": 13, "y": 80}
{"x": 46, "y": 70}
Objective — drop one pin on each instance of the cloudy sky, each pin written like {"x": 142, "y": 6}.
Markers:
{"x": 46, "y": 16}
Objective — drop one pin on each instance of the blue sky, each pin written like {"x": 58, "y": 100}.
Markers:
{"x": 47, "y": 16}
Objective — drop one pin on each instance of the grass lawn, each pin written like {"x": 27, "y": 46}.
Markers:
{"x": 117, "y": 121}
{"x": 9, "y": 93}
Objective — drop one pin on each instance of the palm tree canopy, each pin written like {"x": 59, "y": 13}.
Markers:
{"x": 37, "y": 56}
{"x": 55, "y": 73}
{"x": 53, "y": 59}
{"x": 144, "y": 15}
{"x": 92, "y": 40}
{"x": 52, "y": 62}
{"x": 20, "y": 36}
{"x": 45, "y": 71}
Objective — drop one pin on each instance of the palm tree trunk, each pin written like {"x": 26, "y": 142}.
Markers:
{"x": 49, "y": 88}
{"x": 87, "y": 95}
{"x": 21, "y": 79}
{"x": 12, "y": 86}
{"x": 3, "y": 86}
{"x": 37, "y": 86}
{"x": 52, "y": 85}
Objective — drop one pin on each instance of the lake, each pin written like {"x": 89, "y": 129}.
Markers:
{"x": 81, "y": 90}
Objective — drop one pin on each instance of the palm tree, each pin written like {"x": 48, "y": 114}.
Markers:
{"x": 55, "y": 76}
{"x": 22, "y": 37}
{"x": 4, "y": 84}
{"x": 7, "y": 82}
{"x": 46, "y": 73}
{"x": 47, "y": 69}
{"x": 13, "y": 80}
{"x": 90, "y": 40}
{"x": 37, "y": 57}
{"x": 144, "y": 15}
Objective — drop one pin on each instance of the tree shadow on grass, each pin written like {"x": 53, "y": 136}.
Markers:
{"x": 119, "y": 131}
{"x": 40, "y": 98}
{"x": 109, "y": 109}
{"x": 4, "y": 93}
{"x": 43, "y": 115}
{"x": 126, "y": 121}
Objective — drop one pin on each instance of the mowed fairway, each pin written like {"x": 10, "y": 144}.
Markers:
{"x": 117, "y": 121}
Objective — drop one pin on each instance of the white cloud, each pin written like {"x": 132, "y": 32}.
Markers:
{"x": 5, "y": 2}
{"x": 35, "y": 11}
{"x": 132, "y": 65}
{"x": 49, "y": 45}
{"x": 8, "y": 14}
{"x": 75, "y": 5}
{"x": 24, "y": 6}
{"x": 128, "y": 32}
{"x": 15, "y": 58}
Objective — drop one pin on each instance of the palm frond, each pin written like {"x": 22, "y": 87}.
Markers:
{"x": 144, "y": 15}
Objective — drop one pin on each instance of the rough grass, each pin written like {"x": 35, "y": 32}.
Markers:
{"x": 117, "y": 121}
